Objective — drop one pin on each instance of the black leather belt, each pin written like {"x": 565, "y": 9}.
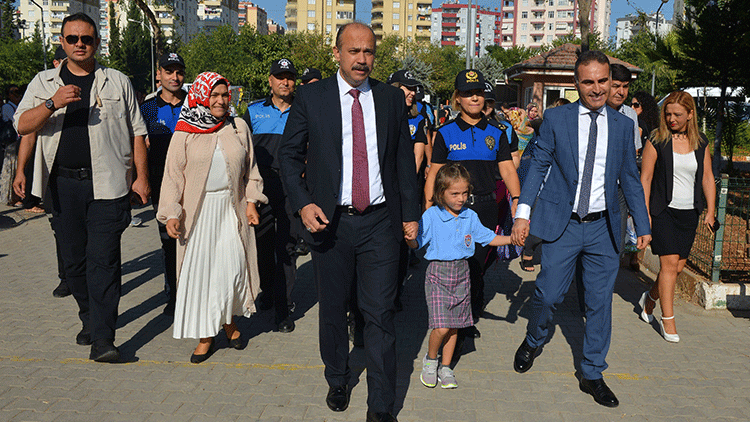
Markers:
{"x": 474, "y": 199}
{"x": 350, "y": 210}
{"x": 589, "y": 217}
{"x": 79, "y": 174}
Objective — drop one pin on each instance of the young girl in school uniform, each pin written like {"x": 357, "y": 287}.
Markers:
{"x": 449, "y": 230}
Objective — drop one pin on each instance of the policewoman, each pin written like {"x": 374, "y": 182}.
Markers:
{"x": 482, "y": 146}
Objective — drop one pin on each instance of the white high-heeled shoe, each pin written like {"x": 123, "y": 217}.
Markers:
{"x": 647, "y": 318}
{"x": 672, "y": 338}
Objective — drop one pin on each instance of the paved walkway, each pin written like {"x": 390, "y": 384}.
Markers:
{"x": 45, "y": 376}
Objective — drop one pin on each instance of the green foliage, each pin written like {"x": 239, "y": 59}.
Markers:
{"x": 387, "y": 56}
{"x": 490, "y": 68}
{"x": 116, "y": 58}
{"x": 7, "y": 23}
{"x": 20, "y": 61}
{"x": 639, "y": 51}
{"x": 136, "y": 54}
{"x": 596, "y": 42}
{"x": 508, "y": 57}
{"x": 421, "y": 70}
{"x": 311, "y": 49}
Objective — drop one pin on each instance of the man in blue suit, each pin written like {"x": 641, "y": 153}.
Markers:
{"x": 588, "y": 149}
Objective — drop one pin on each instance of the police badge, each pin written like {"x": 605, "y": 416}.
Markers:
{"x": 412, "y": 130}
{"x": 467, "y": 240}
{"x": 490, "y": 141}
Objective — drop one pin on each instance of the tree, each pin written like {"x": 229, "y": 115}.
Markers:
{"x": 711, "y": 48}
{"x": 596, "y": 41}
{"x": 639, "y": 51}
{"x": 508, "y": 57}
{"x": 155, "y": 28}
{"x": 8, "y": 25}
{"x": 311, "y": 49}
{"x": 490, "y": 68}
{"x": 136, "y": 45}
{"x": 419, "y": 69}
{"x": 116, "y": 59}
{"x": 584, "y": 10}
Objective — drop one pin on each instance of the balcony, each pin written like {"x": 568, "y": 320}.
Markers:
{"x": 423, "y": 33}
{"x": 376, "y": 20}
{"x": 447, "y": 43}
{"x": 448, "y": 33}
{"x": 377, "y": 6}
{"x": 58, "y": 7}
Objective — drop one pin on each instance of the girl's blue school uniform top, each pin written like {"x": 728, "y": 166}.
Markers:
{"x": 449, "y": 238}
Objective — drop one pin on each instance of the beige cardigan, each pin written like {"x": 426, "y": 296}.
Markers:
{"x": 183, "y": 188}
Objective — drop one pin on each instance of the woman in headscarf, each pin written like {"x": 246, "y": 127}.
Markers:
{"x": 208, "y": 197}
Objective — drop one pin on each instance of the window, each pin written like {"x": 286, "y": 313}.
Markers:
{"x": 549, "y": 38}
{"x": 524, "y": 15}
{"x": 396, "y": 16}
{"x": 536, "y": 38}
{"x": 310, "y": 13}
{"x": 311, "y": 26}
{"x": 562, "y": 2}
{"x": 538, "y": 15}
{"x": 328, "y": 2}
{"x": 524, "y": 26}
{"x": 549, "y": 26}
{"x": 508, "y": 3}
{"x": 523, "y": 39}
{"x": 551, "y": 14}
{"x": 561, "y": 14}
{"x": 395, "y": 27}
{"x": 411, "y": 6}
{"x": 344, "y": 15}
{"x": 524, "y": 2}
{"x": 396, "y": 5}
{"x": 328, "y": 15}
{"x": 551, "y": 3}
{"x": 328, "y": 29}
{"x": 408, "y": 17}
{"x": 409, "y": 28}
{"x": 538, "y": 26}
{"x": 310, "y": 1}
{"x": 508, "y": 15}
{"x": 507, "y": 38}
{"x": 562, "y": 27}
{"x": 31, "y": 13}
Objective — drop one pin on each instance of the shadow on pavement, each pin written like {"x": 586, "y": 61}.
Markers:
{"x": 153, "y": 328}
{"x": 152, "y": 262}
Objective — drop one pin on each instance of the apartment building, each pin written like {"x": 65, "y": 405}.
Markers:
{"x": 173, "y": 18}
{"x": 528, "y": 23}
{"x": 274, "y": 27}
{"x": 253, "y": 15}
{"x": 409, "y": 19}
{"x": 215, "y": 13}
{"x": 319, "y": 15}
{"x": 630, "y": 25}
{"x": 52, "y": 14}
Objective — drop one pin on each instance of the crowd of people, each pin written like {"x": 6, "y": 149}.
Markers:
{"x": 359, "y": 172}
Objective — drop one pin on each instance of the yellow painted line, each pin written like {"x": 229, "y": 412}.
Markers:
{"x": 621, "y": 376}
{"x": 146, "y": 363}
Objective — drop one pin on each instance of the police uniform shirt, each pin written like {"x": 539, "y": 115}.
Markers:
{"x": 161, "y": 118}
{"x": 417, "y": 129}
{"x": 266, "y": 123}
{"x": 479, "y": 148}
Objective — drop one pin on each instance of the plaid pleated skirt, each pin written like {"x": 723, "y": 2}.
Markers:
{"x": 447, "y": 289}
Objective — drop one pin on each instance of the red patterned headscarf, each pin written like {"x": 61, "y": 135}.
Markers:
{"x": 195, "y": 116}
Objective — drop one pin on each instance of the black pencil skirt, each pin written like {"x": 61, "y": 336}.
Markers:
{"x": 673, "y": 232}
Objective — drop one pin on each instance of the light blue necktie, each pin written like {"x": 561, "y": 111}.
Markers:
{"x": 588, "y": 168}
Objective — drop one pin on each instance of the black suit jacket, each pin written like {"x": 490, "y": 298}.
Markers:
{"x": 312, "y": 146}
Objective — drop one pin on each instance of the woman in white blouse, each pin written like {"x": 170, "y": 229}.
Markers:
{"x": 676, "y": 174}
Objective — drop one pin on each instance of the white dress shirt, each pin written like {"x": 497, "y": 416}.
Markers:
{"x": 628, "y": 111}
{"x": 597, "y": 200}
{"x": 371, "y": 136}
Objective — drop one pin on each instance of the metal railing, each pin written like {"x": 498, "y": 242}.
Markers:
{"x": 725, "y": 255}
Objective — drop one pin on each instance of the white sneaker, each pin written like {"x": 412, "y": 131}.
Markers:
{"x": 429, "y": 372}
{"x": 446, "y": 377}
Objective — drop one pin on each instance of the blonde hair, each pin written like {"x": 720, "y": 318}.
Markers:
{"x": 413, "y": 108}
{"x": 664, "y": 134}
{"x": 445, "y": 177}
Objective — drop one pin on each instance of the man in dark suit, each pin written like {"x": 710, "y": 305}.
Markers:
{"x": 588, "y": 149}
{"x": 348, "y": 168}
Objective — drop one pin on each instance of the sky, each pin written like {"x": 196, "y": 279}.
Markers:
{"x": 620, "y": 8}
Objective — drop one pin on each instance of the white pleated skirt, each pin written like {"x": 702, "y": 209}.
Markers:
{"x": 213, "y": 280}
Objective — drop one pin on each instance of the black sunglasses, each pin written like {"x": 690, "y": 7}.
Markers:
{"x": 73, "y": 39}
{"x": 635, "y": 105}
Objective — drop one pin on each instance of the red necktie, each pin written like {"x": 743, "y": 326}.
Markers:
{"x": 360, "y": 167}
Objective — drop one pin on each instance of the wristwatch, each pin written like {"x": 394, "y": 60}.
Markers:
{"x": 50, "y": 104}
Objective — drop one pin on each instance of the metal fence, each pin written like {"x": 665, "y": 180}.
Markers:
{"x": 725, "y": 255}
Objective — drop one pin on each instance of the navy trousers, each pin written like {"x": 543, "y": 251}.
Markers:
{"x": 361, "y": 245}
{"x": 594, "y": 245}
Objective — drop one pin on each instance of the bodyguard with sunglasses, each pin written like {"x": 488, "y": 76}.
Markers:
{"x": 91, "y": 135}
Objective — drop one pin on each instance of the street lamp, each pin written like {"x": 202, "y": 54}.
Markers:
{"x": 653, "y": 75}
{"x": 151, "y": 47}
{"x": 44, "y": 40}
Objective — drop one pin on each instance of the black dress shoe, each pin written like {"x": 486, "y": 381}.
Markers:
{"x": 602, "y": 394}
{"x": 104, "y": 351}
{"x": 286, "y": 326}
{"x": 202, "y": 358}
{"x": 83, "y": 338}
{"x": 380, "y": 417}
{"x": 524, "y": 357}
{"x": 338, "y": 398}
{"x": 236, "y": 343}
{"x": 62, "y": 289}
